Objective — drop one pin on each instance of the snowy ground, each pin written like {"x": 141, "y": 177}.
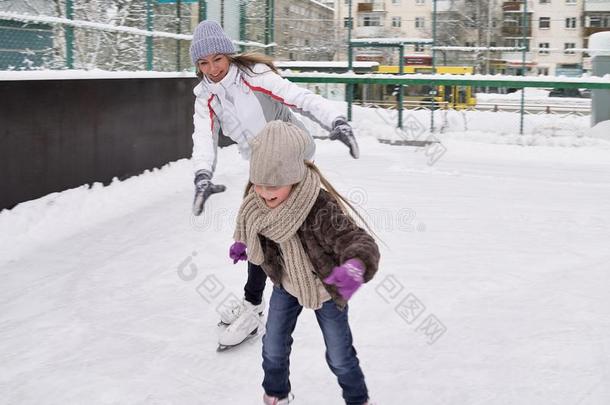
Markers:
{"x": 503, "y": 248}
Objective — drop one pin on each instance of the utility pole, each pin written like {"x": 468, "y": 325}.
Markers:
{"x": 350, "y": 56}
{"x": 69, "y": 32}
{"x": 178, "y": 31}
{"x": 490, "y": 6}
{"x": 149, "y": 39}
{"x": 523, "y": 62}
{"x": 432, "y": 105}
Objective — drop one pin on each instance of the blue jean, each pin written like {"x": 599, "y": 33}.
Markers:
{"x": 284, "y": 309}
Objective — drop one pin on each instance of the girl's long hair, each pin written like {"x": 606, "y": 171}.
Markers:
{"x": 245, "y": 61}
{"x": 347, "y": 207}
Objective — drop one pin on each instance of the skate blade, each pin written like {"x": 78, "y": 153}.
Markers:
{"x": 223, "y": 348}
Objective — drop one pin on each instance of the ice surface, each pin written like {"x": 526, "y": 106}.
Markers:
{"x": 109, "y": 293}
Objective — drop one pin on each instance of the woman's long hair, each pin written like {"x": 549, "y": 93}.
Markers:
{"x": 245, "y": 61}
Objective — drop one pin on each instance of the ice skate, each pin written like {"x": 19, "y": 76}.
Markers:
{"x": 243, "y": 328}
{"x": 231, "y": 314}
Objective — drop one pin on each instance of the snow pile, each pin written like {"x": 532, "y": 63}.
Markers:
{"x": 530, "y": 93}
{"x": 472, "y": 126}
{"x": 60, "y": 215}
{"x": 601, "y": 130}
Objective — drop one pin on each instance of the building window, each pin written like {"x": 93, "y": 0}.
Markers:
{"x": 395, "y": 21}
{"x": 567, "y": 46}
{"x": 544, "y": 71}
{"x": 420, "y": 2}
{"x": 395, "y": 1}
{"x": 571, "y": 22}
{"x": 543, "y": 48}
{"x": 469, "y": 44}
{"x": 517, "y": 43}
{"x": 346, "y": 22}
{"x": 370, "y": 21}
{"x": 419, "y": 22}
{"x": 571, "y": 1}
{"x": 544, "y": 23}
{"x": 419, "y": 47}
{"x": 545, "y": 2}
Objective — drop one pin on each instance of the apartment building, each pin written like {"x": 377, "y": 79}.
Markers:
{"x": 387, "y": 18}
{"x": 555, "y": 30}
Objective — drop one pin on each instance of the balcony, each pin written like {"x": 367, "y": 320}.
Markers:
{"x": 588, "y": 31}
{"x": 515, "y": 59}
{"x": 368, "y": 32}
{"x": 596, "y": 5}
{"x": 516, "y": 31}
{"x": 371, "y": 7}
{"x": 516, "y": 7}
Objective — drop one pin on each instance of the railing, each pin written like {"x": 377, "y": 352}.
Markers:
{"x": 516, "y": 31}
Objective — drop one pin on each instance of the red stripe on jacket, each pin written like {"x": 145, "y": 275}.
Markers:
{"x": 211, "y": 112}
{"x": 268, "y": 92}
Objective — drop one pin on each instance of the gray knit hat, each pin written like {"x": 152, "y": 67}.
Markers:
{"x": 209, "y": 39}
{"x": 278, "y": 154}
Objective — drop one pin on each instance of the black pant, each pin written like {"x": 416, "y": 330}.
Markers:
{"x": 255, "y": 286}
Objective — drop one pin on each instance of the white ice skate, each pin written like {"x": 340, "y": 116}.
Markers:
{"x": 229, "y": 316}
{"x": 246, "y": 326}
{"x": 267, "y": 400}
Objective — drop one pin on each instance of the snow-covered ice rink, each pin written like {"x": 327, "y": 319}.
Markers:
{"x": 493, "y": 286}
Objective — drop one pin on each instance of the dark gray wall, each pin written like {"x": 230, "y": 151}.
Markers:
{"x": 60, "y": 134}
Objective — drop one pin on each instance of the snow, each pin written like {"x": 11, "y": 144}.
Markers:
{"x": 283, "y": 64}
{"x": 599, "y": 44}
{"x": 532, "y": 96}
{"x": 476, "y": 48}
{"x": 505, "y": 242}
{"x": 388, "y": 40}
{"x": 317, "y": 3}
{"x": 600, "y": 130}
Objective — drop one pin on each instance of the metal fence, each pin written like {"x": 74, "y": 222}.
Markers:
{"x": 118, "y": 34}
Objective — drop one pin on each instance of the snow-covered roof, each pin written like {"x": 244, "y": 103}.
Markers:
{"x": 396, "y": 41}
{"x": 323, "y": 64}
{"x": 477, "y": 48}
{"x": 322, "y": 5}
{"x": 30, "y": 6}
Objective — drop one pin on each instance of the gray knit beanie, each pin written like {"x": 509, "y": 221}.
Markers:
{"x": 278, "y": 154}
{"x": 209, "y": 39}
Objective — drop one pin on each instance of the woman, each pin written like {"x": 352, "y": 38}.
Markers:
{"x": 237, "y": 96}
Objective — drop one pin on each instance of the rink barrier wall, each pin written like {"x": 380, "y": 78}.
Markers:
{"x": 61, "y": 134}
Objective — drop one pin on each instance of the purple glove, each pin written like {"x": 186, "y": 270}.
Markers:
{"x": 237, "y": 252}
{"x": 347, "y": 277}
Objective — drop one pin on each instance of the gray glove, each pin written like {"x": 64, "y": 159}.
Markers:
{"x": 204, "y": 188}
{"x": 342, "y": 131}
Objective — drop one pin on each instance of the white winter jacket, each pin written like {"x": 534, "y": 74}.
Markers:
{"x": 242, "y": 103}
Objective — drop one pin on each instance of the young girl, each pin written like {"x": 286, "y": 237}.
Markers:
{"x": 237, "y": 96}
{"x": 315, "y": 254}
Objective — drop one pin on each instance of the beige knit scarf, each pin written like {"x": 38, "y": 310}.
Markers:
{"x": 280, "y": 224}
